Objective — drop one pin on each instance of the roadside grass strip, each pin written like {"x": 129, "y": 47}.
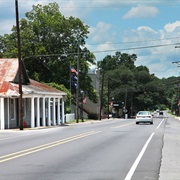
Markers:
{"x": 25, "y": 152}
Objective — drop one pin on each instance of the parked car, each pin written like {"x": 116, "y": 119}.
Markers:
{"x": 144, "y": 117}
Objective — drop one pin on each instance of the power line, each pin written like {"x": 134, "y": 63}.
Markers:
{"x": 110, "y": 50}
{"x": 133, "y": 48}
{"x": 130, "y": 42}
{"x": 111, "y": 5}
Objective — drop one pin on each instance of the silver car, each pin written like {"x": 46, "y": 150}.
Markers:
{"x": 144, "y": 117}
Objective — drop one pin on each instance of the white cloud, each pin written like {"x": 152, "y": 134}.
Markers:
{"x": 101, "y": 37}
{"x": 141, "y": 12}
{"x": 101, "y": 50}
{"x": 101, "y": 32}
{"x": 6, "y": 28}
{"x": 142, "y": 33}
{"x": 157, "y": 59}
{"x": 146, "y": 29}
{"x": 74, "y": 8}
{"x": 125, "y": 3}
{"x": 161, "y": 67}
{"x": 170, "y": 27}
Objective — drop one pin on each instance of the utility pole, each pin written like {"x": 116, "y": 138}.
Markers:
{"x": 70, "y": 82}
{"x": 101, "y": 101}
{"x": 108, "y": 97}
{"x": 20, "y": 67}
{"x": 77, "y": 89}
{"x": 178, "y": 65}
{"x": 125, "y": 104}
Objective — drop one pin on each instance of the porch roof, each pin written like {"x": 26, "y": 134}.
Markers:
{"x": 10, "y": 88}
{"x": 8, "y": 69}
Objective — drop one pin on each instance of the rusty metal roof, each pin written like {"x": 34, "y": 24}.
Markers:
{"x": 8, "y": 72}
{"x": 8, "y": 69}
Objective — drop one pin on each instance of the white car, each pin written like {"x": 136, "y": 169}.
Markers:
{"x": 144, "y": 117}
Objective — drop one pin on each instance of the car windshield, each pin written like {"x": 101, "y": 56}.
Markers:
{"x": 143, "y": 113}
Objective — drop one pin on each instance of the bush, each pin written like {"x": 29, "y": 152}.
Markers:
{"x": 93, "y": 116}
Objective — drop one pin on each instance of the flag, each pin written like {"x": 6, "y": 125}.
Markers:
{"x": 84, "y": 100}
{"x": 73, "y": 70}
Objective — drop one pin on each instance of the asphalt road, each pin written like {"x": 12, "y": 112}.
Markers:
{"x": 115, "y": 149}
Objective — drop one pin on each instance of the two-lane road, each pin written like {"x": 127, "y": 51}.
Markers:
{"x": 112, "y": 149}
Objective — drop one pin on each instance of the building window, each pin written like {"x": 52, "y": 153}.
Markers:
{"x": 12, "y": 109}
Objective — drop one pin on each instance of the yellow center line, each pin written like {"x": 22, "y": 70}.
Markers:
{"x": 43, "y": 147}
{"x": 115, "y": 127}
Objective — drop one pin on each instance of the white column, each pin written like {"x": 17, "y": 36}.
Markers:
{"x": 44, "y": 112}
{"x": 32, "y": 112}
{"x": 8, "y": 109}
{"x": 54, "y": 111}
{"x": 58, "y": 112}
{"x": 38, "y": 113}
{"x": 2, "y": 113}
{"x": 62, "y": 106}
{"x": 49, "y": 112}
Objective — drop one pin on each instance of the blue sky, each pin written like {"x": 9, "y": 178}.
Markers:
{"x": 120, "y": 25}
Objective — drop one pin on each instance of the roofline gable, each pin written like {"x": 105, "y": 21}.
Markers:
{"x": 25, "y": 78}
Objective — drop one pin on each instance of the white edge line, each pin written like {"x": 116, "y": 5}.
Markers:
{"x": 160, "y": 123}
{"x": 134, "y": 166}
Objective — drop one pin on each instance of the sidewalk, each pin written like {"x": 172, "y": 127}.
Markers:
{"x": 170, "y": 164}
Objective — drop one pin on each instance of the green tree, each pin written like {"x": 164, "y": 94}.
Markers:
{"x": 119, "y": 59}
{"x": 132, "y": 85}
{"x": 172, "y": 85}
{"x": 50, "y": 43}
{"x": 119, "y": 77}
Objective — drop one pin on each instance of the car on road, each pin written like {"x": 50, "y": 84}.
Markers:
{"x": 161, "y": 113}
{"x": 144, "y": 117}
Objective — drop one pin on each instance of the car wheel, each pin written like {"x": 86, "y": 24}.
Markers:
{"x": 137, "y": 122}
{"x": 151, "y": 122}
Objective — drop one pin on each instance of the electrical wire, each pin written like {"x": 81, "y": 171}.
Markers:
{"x": 129, "y": 42}
{"x": 102, "y": 4}
{"x": 133, "y": 48}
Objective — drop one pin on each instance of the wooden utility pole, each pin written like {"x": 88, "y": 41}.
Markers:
{"x": 108, "y": 96}
{"x": 101, "y": 101}
{"x": 77, "y": 90}
{"x": 20, "y": 67}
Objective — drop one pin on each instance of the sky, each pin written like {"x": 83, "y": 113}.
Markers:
{"x": 148, "y": 28}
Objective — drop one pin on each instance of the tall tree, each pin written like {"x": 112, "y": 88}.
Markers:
{"x": 118, "y": 70}
{"x": 50, "y": 45}
{"x": 131, "y": 85}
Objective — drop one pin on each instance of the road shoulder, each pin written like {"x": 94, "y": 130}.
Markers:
{"x": 170, "y": 164}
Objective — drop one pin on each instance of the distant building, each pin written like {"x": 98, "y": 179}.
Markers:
{"x": 91, "y": 107}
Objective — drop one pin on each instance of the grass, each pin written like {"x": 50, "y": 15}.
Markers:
{"x": 79, "y": 120}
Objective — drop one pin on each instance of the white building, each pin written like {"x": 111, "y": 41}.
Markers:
{"x": 91, "y": 107}
{"x": 42, "y": 105}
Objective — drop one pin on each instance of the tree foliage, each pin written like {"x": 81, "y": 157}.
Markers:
{"x": 49, "y": 47}
{"x": 50, "y": 44}
{"x": 132, "y": 86}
